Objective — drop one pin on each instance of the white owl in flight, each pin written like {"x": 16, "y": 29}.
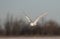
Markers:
{"x": 34, "y": 23}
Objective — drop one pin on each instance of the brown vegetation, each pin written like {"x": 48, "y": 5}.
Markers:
{"x": 19, "y": 28}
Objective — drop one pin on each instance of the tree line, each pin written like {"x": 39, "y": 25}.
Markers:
{"x": 21, "y": 28}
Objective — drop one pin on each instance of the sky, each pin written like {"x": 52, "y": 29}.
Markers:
{"x": 32, "y": 8}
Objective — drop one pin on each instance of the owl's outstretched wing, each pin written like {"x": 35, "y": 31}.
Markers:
{"x": 40, "y": 17}
{"x": 28, "y": 18}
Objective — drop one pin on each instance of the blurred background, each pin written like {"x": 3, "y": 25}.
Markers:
{"x": 13, "y": 12}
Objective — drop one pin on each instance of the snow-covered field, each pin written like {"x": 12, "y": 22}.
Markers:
{"x": 30, "y": 37}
